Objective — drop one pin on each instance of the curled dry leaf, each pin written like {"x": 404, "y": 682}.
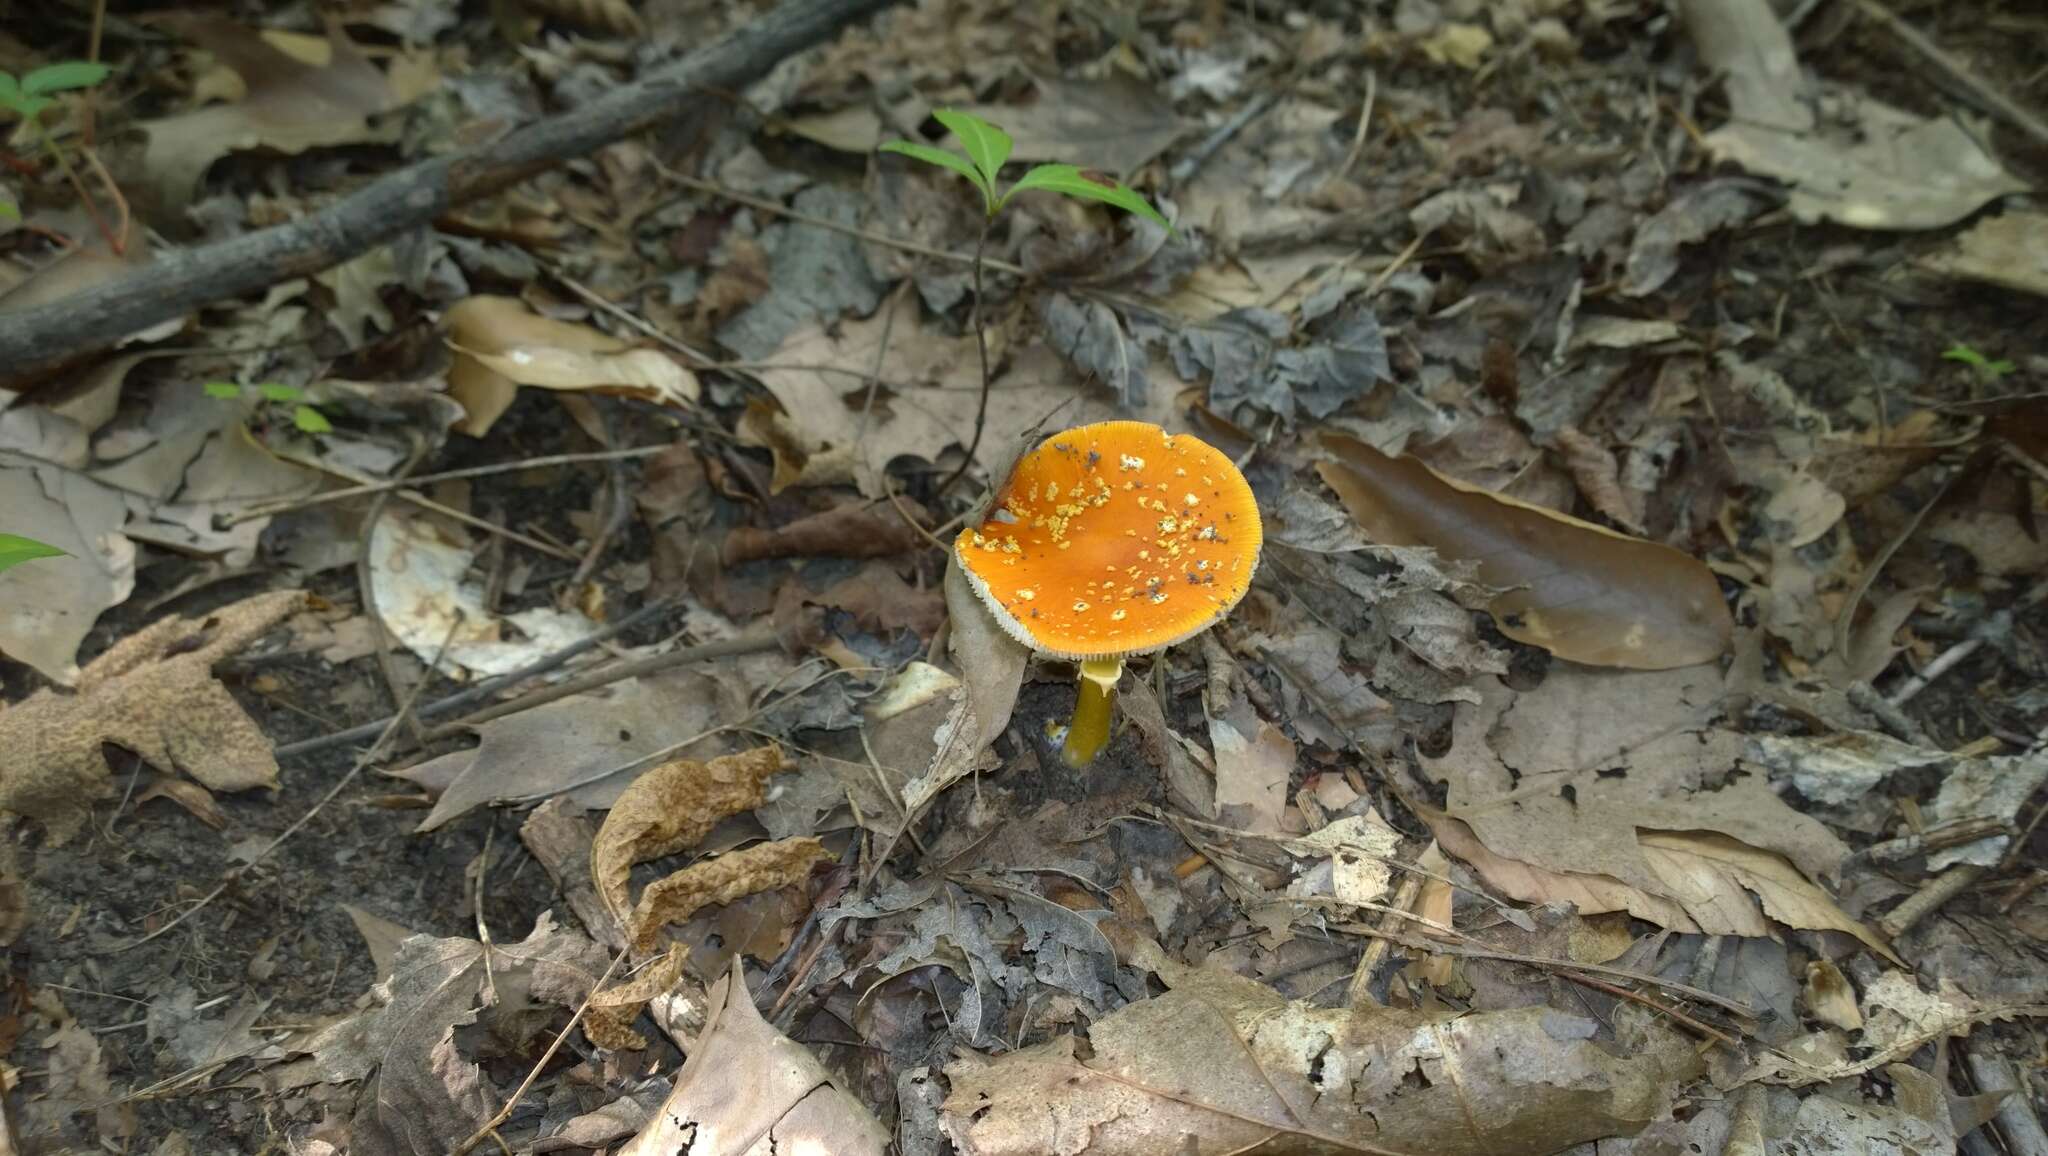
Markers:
{"x": 747, "y": 1088}
{"x": 501, "y": 344}
{"x": 672, "y": 807}
{"x": 152, "y": 693}
{"x": 1579, "y": 591}
{"x": 734, "y": 875}
{"x": 608, "y": 1021}
{"x": 992, "y": 669}
{"x": 1228, "y": 1060}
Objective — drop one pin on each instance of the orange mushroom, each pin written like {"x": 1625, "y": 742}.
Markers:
{"x": 1112, "y": 540}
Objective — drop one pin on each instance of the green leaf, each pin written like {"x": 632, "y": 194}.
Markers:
{"x": 15, "y": 549}
{"x": 63, "y": 76}
{"x": 225, "y": 390}
{"x": 272, "y": 391}
{"x": 10, "y": 88}
{"x": 1071, "y": 181}
{"x": 1964, "y": 354}
{"x": 310, "y": 420}
{"x": 987, "y": 146}
{"x": 10, "y": 211}
{"x": 946, "y": 160}
{"x": 27, "y": 107}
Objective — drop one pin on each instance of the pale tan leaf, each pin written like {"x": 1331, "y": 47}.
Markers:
{"x": 1713, "y": 876}
{"x": 747, "y": 1088}
{"x": 1227, "y": 1060}
{"x": 1591, "y": 894}
{"x": 289, "y": 107}
{"x": 609, "y": 1018}
{"x": 670, "y": 808}
{"x": 501, "y": 344}
{"x": 992, "y": 671}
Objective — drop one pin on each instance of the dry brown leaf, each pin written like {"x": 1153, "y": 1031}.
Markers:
{"x": 152, "y": 693}
{"x": 672, "y": 807}
{"x": 1829, "y": 997}
{"x": 570, "y": 744}
{"x": 609, "y": 1019}
{"x": 1615, "y": 790}
{"x": 1707, "y": 872}
{"x": 1228, "y": 1060}
{"x": 47, "y": 609}
{"x": 930, "y": 387}
{"x": 1579, "y": 591}
{"x": 992, "y": 671}
{"x": 1598, "y": 476}
{"x": 1590, "y": 894}
{"x": 501, "y": 344}
{"x": 422, "y": 1093}
{"x": 761, "y": 867}
{"x": 2010, "y": 251}
{"x": 747, "y": 1088}
{"x": 290, "y": 106}
{"x": 853, "y": 530}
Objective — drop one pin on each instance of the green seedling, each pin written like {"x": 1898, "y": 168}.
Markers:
{"x": 1986, "y": 368}
{"x": 27, "y": 97}
{"x": 987, "y": 150}
{"x": 15, "y": 549}
{"x": 304, "y": 417}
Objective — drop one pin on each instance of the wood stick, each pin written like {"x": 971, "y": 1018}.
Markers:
{"x": 176, "y": 283}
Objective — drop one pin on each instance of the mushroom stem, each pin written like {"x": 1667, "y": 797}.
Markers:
{"x": 1089, "y": 732}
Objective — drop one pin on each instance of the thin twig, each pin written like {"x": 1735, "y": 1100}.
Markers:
{"x": 1958, "y": 73}
{"x": 426, "y": 503}
{"x": 369, "y": 756}
{"x": 1931, "y": 896}
{"x": 826, "y": 223}
{"x": 1198, "y": 156}
{"x": 605, "y": 676}
{"x": 288, "y": 505}
{"x": 987, "y": 380}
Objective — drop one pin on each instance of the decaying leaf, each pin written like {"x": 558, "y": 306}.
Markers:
{"x": 290, "y": 106}
{"x": 1115, "y": 124}
{"x": 748, "y": 1090}
{"x": 1577, "y": 590}
{"x": 46, "y": 610}
{"x": 570, "y": 744}
{"x": 152, "y": 693}
{"x": 1224, "y": 1064}
{"x": 422, "y": 1094}
{"x": 2010, "y": 251}
{"x": 672, "y": 807}
{"x": 992, "y": 671}
{"x": 1613, "y": 790}
{"x": 925, "y": 400}
{"x": 501, "y": 344}
{"x": 733, "y": 875}
{"x": 1877, "y": 167}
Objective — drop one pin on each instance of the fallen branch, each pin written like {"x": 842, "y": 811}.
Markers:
{"x": 176, "y": 283}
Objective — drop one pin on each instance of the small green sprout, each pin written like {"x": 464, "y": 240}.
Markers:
{"x": 1986, "y": 368}
{"x": 306, "y": 418}
{"x": 30, "y": 95}
{"x": 15, "y": 549}
{"x": 988, "y": 148}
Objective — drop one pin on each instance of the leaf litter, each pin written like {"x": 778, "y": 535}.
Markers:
{"x": 1630, "y": 739}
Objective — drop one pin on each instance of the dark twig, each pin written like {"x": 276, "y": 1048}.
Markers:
{"x": 981, "y": 344}
{"x": 176, "y": 283}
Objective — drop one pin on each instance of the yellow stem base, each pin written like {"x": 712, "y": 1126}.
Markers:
{"x": 1089, "y": 732}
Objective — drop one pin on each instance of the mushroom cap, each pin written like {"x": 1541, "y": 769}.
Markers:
{"x": 1114, "y": 539}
